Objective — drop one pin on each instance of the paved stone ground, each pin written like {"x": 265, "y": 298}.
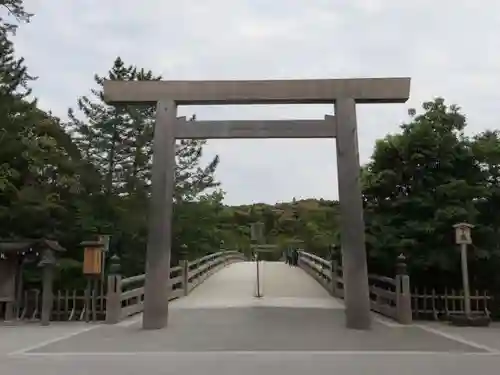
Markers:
{"x": 221, "y": 328}
{"x": 487, "y": 336}
{"x": 14, "y": 338}
{"x": 254, "y": 329}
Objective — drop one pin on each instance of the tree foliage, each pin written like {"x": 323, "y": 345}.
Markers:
{"x": 91, "y": 175}
{"x": 37, "y": 176}
{"x": 117, "y": 143}
{"x": 421, "y": 182}
{"x": 313, "y": 223}
{"x": 12, "y": 12}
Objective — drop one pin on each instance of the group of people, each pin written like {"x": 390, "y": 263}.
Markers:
{"x": 291, "y": 257}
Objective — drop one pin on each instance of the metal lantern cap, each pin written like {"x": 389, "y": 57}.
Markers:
{"x": 92, "y": 244}
{"x": 114, "y": 266}
{"x": 463, "y": 225}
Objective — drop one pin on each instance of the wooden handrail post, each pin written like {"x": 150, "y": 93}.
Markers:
{"x": 333, "y": 275}
{"x": 403, "y": 293}
{"x": 114, "y": 292}
{"x": 185, "y": 276}
{"x": 334, "y": 259}
{"x": 184, "y": 264}
{"x": 113, "y": 299}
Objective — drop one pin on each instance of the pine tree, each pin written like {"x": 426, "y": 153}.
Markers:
{"x": 36, "y": 169}
{"x": 117, "y": 141}
{"x": 107, "y": 133}
{"x": 13, "y": 89}
{"x": 16, "y": 14}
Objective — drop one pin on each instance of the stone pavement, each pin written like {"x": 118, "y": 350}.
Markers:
{"x": 221, "y": 328}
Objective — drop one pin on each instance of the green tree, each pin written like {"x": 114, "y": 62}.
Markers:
{"x": 486, "y": 149}
{"x": 312, "y": 222}
{"x": 12, "y": 13}
{"x": 117, "y": 141}
{"x": 486, "y": 234}
{"x": 40, "y": 180}
{"x": 36, "y": 173}
{"x": 417, "y": 185}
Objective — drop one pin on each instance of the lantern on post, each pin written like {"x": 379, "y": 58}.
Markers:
{"x": 92, "y": 257}
{"x": 463, "y": 233}
{"x": 92, "y": 269}
{"x": 463, "y": 238}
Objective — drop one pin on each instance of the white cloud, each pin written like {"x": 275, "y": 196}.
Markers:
{"x": 448, "y": 48}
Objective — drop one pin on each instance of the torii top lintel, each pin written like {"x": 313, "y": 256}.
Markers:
{"x": 310, "y": 91}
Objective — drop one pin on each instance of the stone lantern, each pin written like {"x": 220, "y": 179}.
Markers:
{"x": 92, "y": 268}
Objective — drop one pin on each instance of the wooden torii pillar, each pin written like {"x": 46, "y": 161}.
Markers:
{"x": 343, "y": 93}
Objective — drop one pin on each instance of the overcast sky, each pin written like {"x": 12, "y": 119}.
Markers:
{"x": 448, "y": 48}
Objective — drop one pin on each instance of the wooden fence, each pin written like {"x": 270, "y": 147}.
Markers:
{"x": 429, "y": 304}
{"x": 122, "y": 297}
{"x": 388, "y": 296}
{"x": 68, "y": 305}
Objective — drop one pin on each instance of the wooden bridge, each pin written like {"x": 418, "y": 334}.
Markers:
{"x": 389, "y": 296}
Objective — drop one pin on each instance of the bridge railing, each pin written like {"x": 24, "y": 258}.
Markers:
{"x": 388, "y": 296}
{"x": 125, "y": 296}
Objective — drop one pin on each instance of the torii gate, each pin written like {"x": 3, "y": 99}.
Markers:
{"x": 343, "y": 93}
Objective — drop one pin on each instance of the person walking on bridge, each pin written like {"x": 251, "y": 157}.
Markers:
{"x": 295, "y": 257}
{"x": 289, "y": 258}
